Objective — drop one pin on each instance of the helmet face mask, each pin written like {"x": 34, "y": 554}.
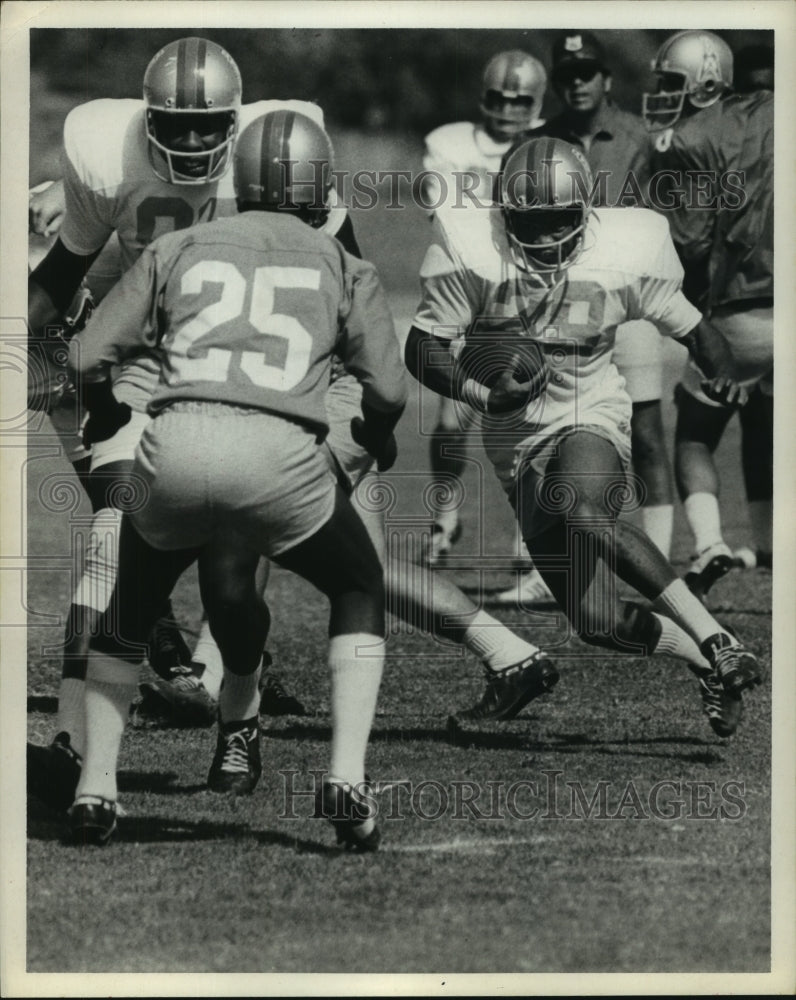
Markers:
{"x": 544, "y": 189}
{"x": 694, "y": 69}
{"x": 512, "y": 93}
{"x": 192, "y": 91}
{"x": 546, "y": 240}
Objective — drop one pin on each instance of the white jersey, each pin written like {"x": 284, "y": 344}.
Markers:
{"x": 628, "y": 269}
{"x": 110, "y": 186}
{"x": 464, "y": 148}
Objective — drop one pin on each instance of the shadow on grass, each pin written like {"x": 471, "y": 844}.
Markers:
{"x": 161, "y": 829}
{"x": 576, "y": 743}
{"x": 46, "y": 703}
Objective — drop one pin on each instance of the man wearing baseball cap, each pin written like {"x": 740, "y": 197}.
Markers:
{"x": 617, "y": 146}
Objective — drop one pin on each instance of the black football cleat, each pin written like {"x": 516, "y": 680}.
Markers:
{"x": 92, "y": 820}
{"x": 53, "y": 772}
{"x": 236, "y": 766}
{"x": 349, "y": 811}
{"x": 721, "y": 708}
{"x": 509, "y": 691}
{"x": 182, "y": 701}
{"x": 735, "y": 666}
{"x": 707, "y": 567}
{"x": 440, "y": 542}
{"x": 168, "y": 651}
{"x": 274, "y": 699}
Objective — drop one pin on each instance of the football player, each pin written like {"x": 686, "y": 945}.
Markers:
{"x": 617, "y": 148}
{"x": 137, "y": 169}
{"x": 705, "y": 135}
{"x": 245, "y": 313}
{"x": 465, "y": 157}
{"x": 565, "y": 277}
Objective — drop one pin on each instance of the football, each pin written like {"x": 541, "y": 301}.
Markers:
{"x": 485, "y": 357}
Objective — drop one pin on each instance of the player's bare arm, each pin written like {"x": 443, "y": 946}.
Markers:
{"x": 712, "y": 354}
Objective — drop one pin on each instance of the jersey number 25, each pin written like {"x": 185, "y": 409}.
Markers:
{"x": 214, "y": 363}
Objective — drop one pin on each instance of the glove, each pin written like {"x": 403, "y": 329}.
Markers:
{"x": 384, "y": 450}
{"x": 375, "y": 434}
{"x": 724, "y": 390}
{"x": 106, "y": 415}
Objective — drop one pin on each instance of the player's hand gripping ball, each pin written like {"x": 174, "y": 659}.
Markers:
{"x": 511, "y": 365}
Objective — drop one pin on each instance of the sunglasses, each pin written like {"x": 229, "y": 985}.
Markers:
{"x": 585, "y": 72}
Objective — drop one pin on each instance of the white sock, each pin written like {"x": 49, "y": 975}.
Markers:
{"x": 101, "y": 561}
{"x": 356, "y": 663}
{"x": 677, "y": 602}
{"x": 240, "y": 696}
{"x": 72, "y": 712}
{"x": 495, "y": 644}
{"x": 207, "y": 652}
{"x": 675, "y": 642}
{"x": 702, "y": 511}
{"x": 110, "y": 688}
{"x": 657, "y": 523}
{"x": 761, "y": 514}
{"x": 447, "y": 519}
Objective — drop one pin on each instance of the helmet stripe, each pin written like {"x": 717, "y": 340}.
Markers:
{"x": 274, "y": 148}
{"x": 201, "y": 59}
{"x": 191, "y": 58}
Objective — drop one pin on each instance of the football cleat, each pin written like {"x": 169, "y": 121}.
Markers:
{"x": 168, "y": 652}
{"x": 710, "y": 565}
{"x": 236, "y": 766}
{"x": 92, "y": 820}
{"x": 721, "y": 708}
{"x": 53, "y": 772}
{"x": 735, "y": 666}
{"x": 530, "y": 588}
{"x": 441, "y": 541}
{"x": 350, "y": 812}
{"x": 274, "y": 699}
{"x": 746, "y": 558}
{"x": 183, "y": 701}
{"x": 509, "y": 691}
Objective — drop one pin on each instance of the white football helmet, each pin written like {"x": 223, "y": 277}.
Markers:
{"x": 544, "y": 192}
{"x": 191, "y": 84}
{"x": 692, "y": 65}
{"x": 512, "y": 92}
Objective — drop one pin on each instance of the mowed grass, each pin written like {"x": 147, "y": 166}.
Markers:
{"x": 196, "y": 883}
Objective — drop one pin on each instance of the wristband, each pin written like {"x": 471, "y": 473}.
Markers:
{"x": 474, "y": 394}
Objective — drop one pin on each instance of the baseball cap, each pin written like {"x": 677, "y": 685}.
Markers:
{"x": 577, "y": 46}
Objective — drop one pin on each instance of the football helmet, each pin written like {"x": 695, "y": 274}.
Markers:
{"x": 192, "y": 92}
{"x": 512, "y": 92}
{"x": 544, "y": 191}
{"x": 283, "y": 161}
{"x": 692, "y": 65}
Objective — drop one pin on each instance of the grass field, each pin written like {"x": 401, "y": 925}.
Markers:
{"x": 195, "y": 883}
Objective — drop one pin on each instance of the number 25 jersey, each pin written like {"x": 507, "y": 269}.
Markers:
{"x": 247, "y": 311}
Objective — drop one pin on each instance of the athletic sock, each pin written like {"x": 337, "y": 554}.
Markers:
{"x": 96, "y": 584}
{"x": 761, "y": 514}
{"x": 495, "y": 644}
{"x": 356, "y": 662}
{"x": 447, "y": 520}
{"x": 678, "y": 603}
{"x": 207, "y": 652}
{"x": 240, "y": 696}
{"x": 657, "y": 522}
{"x": 702, "y": 511}
{"x": 72, "y": 712}
{"x": 674, "y": 641}
{"x": 110, "y": 688}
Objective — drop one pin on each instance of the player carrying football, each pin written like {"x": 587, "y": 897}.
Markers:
{"x": 563, "y": 277}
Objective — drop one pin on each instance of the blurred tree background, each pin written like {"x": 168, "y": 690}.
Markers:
{"x": 371, "y": 79}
